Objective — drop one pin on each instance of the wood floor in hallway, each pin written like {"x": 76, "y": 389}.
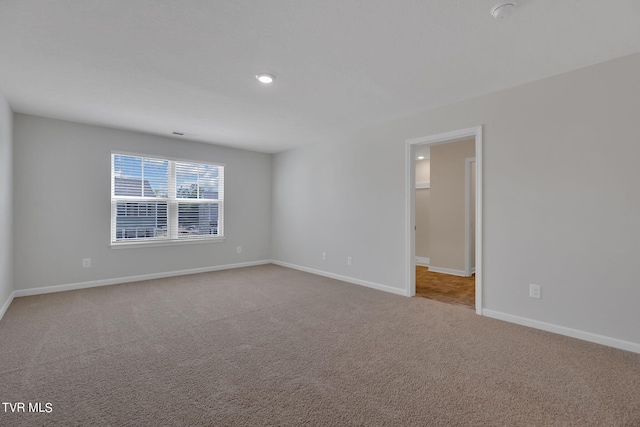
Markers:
{"x": 445, "y": 287}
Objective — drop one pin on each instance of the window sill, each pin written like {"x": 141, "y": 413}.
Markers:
{"x": 148, "y": 244}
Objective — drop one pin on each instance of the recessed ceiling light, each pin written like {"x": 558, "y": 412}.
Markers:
{"x": 503, "y": 9}
{"x": 265, "y": 78}
{"x": 420, "y": 157}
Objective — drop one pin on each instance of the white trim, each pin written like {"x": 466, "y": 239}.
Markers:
{"x": 467, "y": 215}
{"x": 549, "y": 327}
{"x": 562, "y": 330}
{"x": 165, "y": 242}
{"x": 172, "y": 202}
{"x": 479, "y": 224}
{"x": 119, "y": 280}
{"x": 7, "y": 303}
{"x": 162, "y": 157}
{"x": 451, "y": 271}
{"x": 445, "y": 137}
{"x": 348, "y": 279}
{"x": 423, "y": 260}
{"x": 423, "y": 185}
{"x": 173, "y": 207}
{"x": 410, "y": 219}
{"x": 410, "y": 195}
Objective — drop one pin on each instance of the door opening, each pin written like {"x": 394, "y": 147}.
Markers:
{"x": 464, "y": 258}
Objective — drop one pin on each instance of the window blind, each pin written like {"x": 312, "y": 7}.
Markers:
{"x": 165, "y": 200}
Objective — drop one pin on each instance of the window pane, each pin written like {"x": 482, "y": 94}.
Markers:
{"x": 186, "y": 181}
{"x": 156, "y": 178}
{"x": 191, "y": 205}
{"x": 137, "y": 176}
{"x": 209, "y": 181}
{"x": 197, "y": 219}
{"x": 141, "y": 220}
{"x": 127, "y": 171}
{"x": 197, "y": 181}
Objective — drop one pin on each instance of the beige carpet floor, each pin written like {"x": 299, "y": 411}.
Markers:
{"x": 270, "y": 346}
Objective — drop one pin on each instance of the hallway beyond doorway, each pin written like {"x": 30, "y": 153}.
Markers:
{"x": 445, "y": 287}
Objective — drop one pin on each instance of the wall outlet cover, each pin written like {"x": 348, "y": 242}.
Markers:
{"x": 534, "y": 291}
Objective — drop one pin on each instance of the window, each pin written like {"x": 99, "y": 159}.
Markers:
{"x": 160, "y": 200}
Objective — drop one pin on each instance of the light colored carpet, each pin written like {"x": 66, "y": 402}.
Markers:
{"x": 272, "y": 346}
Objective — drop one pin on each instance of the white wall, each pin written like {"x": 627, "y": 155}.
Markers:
{"x": 62, "y": 204}
{"x": 547, "y": 218}
{"x": 6, "y": 201}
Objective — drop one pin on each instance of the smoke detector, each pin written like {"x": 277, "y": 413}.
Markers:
{"x": 503, "y": 10}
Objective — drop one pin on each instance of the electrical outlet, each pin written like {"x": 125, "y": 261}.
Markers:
{"x": 239, "y": 249}
{"x": 534, "y": 291}
{"x": 348, "y": 260}
{"x": 86, "y": 263}
{"x": 324, "y": 256}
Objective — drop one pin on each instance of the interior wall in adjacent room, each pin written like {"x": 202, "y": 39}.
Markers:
{"x": 447, "y": 204}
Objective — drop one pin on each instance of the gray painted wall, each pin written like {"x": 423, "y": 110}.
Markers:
{"x": 62, "y": 204}
{"x": 6, "y": 200}
{"x": 548, "y": 218}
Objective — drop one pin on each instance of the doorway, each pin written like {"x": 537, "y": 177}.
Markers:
{"x": 470, "y": 261}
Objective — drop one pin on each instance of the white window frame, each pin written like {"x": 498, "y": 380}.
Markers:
{"x": 173, "y": 237}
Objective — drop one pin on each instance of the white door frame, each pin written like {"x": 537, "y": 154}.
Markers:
{"x": 467, "y": 216}
{"x": 410, "y": 198}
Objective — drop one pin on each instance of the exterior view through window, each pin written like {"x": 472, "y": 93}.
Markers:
{"x": 156, "y": 200}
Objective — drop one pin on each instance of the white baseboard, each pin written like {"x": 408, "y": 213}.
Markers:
{"x": 6, "y": 304}
{"x": 549, "y": 327}
{"x": 423, "y": 260}
{"x": 119, "y": 280}
{"x": 348, "y": 279}
{"x": 562, "y": 330}
{"x": 447, "y": 271}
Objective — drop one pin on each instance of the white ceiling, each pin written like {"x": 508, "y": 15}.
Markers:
{"x": 185, "y": 65}
{"x": 423, "y": 150}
